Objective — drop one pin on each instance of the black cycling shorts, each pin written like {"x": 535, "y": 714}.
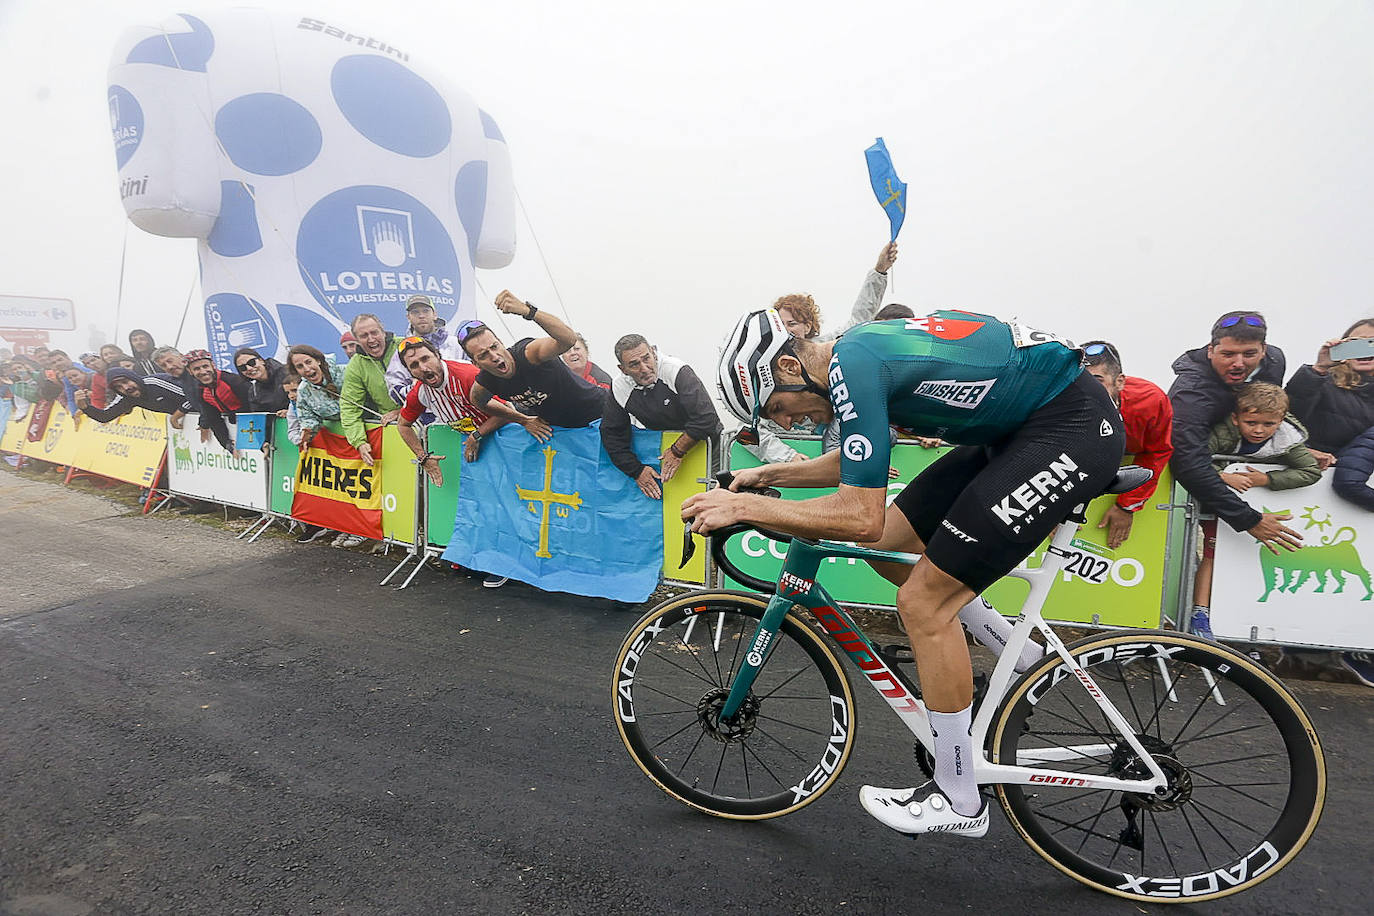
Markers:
{"x": 981, "y": 510}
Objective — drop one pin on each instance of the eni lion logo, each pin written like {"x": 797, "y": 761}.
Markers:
{"x": 1329, "y": 561}
{"x": 181, "y": 454}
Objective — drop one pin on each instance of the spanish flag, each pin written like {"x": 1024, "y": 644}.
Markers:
{"x": 336, "y": 490}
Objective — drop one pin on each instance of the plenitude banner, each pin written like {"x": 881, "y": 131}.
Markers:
{"x": 200, "y": 467}
{"x": 1100, "y": 586}
{"x": 335, "y": 489}
{"x": 1320, "y": 594}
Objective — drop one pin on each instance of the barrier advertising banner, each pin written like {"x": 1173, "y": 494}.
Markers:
{"x": 206, "y": 471}
{"x": 1102, "y": 586}
{"x": 1320, "y": 594}
{"x": 688, "y": 480}
{"x": 130, "y": 448}
{"x": 441, "y": 503}
{"x": 335, "y": 489}
{"x": 286, "y": 458}
{"x": 559, "y": 515}
{"x": 58, "y": 442}
{"x": 16, "y": 426}
{"x": 398, "y": 488}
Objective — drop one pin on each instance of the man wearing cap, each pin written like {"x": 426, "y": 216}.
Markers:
{"x": 349, "y": 344}
{"x": 219, "y": 396}
{"x": 529, "y": 375}
{"x": 424, "y": 323}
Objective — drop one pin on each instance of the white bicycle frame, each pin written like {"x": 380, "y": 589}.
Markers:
{"x": 1027, "y": 770}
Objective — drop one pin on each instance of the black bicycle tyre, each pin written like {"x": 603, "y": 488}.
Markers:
{"x": 1303, "y": 797}
{"x": 814, "y": 772}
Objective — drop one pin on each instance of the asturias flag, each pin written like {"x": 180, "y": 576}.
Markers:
{"x": 559, "y": 515}
{"x": 889, "y": 189}
{"x": 335, "y": 489}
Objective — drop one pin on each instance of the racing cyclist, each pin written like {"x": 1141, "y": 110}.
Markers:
{"x": 1035, "y": 435}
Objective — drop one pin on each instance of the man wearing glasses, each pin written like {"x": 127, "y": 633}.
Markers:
{"x": 1148, "y": 417}
{"x": 529, "y": 375}
{"x": 1203, "y": 394}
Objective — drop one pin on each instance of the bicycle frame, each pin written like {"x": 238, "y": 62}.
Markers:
{"x": 797, "y": 585}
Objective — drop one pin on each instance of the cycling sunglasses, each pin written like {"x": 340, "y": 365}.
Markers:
{"x": 468, "y": 328}
{"x": 1096, "y": 351}
{"x": 1230, "y": 321}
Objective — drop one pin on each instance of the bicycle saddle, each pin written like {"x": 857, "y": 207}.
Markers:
{"x": 1128, "y": 478}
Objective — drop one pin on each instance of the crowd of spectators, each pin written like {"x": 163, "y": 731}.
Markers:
{"x": 1226, "y": 408}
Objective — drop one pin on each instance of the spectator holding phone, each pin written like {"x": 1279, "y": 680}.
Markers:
{"x": 1334, "y": 397}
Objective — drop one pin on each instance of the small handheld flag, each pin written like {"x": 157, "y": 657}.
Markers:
{"x": 889, "y": 189}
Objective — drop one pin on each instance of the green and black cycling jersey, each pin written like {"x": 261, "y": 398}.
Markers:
{"x": 969, "y": 379}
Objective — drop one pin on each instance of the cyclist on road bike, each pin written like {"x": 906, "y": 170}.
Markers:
{"x": 1035, "y": 435}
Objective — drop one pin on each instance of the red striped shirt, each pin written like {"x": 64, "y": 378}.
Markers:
{"x": 450, "y": 402}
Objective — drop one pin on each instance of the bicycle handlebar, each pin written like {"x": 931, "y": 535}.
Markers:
{"x": 720, "y": 536}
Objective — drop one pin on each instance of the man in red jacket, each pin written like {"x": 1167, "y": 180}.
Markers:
{"x": 1148, "y": 417}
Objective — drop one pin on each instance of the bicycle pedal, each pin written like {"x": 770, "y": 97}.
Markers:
{"x": 896, "y": 654}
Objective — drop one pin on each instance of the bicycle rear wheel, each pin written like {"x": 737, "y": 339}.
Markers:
{"x": 1247, "y": 779}
{"x": 792, "y": 736}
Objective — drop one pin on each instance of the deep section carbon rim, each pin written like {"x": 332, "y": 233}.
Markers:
{"x": 1247, "y": 779}
{"x": 791, "y": 738}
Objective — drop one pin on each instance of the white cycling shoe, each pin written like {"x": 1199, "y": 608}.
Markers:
{"x": 923, "y": 809}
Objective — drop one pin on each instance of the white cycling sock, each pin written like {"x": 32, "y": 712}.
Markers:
{"x": 954, "y": 759}
{"x": 993, "y": 630}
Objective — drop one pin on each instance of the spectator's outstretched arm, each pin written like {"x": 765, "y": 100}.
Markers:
{"x": 870, "y": 299}
{"x": 1350, "y": 476}
{"x": 1301, "y": 469}
{"x": 117, "y": 408}
{"x": 1192, "y": 461}
{"x": 561, "y": 337}
{"x": 616, "y": 438}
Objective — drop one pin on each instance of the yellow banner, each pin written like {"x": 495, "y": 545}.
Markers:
{"x": 59, "y": 442}
{"x": 685, "y": 482}
{"x": 130, "y": 448}
{"x": 12, "y": 440}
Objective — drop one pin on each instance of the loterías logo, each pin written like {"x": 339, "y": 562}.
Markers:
{"x": 370, "y": 248}
{"x": 126, "y": 124}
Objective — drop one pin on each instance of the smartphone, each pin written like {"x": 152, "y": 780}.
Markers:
{"x": 1354, "y": 348}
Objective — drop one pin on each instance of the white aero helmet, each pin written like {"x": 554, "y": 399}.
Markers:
{"x": 745, "y": 372}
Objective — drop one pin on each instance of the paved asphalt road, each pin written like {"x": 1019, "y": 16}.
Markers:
{"x": 261, "y": 728}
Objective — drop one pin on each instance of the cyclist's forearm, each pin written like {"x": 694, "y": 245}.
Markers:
{"x": 849, "y": 514}
{"x": 814, "y": 472}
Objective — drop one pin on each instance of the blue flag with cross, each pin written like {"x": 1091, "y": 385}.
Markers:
{"x": 559, "y": 515}
{"x": 889, "y": 189}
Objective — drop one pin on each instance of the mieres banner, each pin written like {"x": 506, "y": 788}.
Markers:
{"x": 559, "y": 515}
{"x": 335, "y": 489}
{"x": 1320, "y": 594}
{"x": 204, "y": 470}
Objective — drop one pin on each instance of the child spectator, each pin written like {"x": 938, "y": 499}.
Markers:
{"x": 1260, "y": 430}
{"x": 295, "y": 432}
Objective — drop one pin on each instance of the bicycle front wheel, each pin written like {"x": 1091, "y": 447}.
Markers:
{"x": 1246, "y": 775}
{"x": 788, "y": 743}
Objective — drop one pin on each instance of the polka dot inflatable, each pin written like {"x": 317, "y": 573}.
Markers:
{"x": 325, "y": 172}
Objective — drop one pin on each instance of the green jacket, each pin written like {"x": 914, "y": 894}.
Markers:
{"x": 364, "y": 395}
{"x": 1288, "y": 447}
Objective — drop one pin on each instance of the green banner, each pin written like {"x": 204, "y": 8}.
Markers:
{"x": 281, "y": 488}
{"x": 1116, "y": 588}
{"x": 441, "y": 503}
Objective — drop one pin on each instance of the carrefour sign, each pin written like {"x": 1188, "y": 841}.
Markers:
{"x": 35, "y": 313}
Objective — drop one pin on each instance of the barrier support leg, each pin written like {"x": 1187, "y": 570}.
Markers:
{"x": 424, "y": 555}
{"x": 410, "y": 555}
{"x": 264, "y": 522}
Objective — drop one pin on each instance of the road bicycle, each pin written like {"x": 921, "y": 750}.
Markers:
{"x": 1148, "y": 764}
